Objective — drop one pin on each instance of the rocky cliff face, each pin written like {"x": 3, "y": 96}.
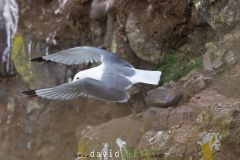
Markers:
{"x": 202, "y": 128}
{"x": 193, "y": 114}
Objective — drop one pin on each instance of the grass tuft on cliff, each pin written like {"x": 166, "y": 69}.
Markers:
{"x": 176, "y": 65}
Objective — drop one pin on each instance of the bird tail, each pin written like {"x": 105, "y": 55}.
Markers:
{"x": 149, "y": 77}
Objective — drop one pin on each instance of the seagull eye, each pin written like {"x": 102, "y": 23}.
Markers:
{"x": 77, "y": 77}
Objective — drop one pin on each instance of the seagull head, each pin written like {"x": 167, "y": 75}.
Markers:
{"x": 76, "y": 77}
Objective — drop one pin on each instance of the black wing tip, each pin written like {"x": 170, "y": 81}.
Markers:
{"x": 31, "y": 93}
{"x": 38, "y": 59}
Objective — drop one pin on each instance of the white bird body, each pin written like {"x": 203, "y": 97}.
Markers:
{"x": 140, "y": 76}
{"x": 95, "y": 73}
{"x": 109, "y": 81}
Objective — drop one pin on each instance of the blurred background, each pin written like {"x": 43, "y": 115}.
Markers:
{"x": 194, "y": 113}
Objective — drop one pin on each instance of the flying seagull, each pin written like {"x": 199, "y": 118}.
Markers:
{"x": 108, "y": 81}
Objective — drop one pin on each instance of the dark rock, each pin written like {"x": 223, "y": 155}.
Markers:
{"x": 164, "y": 96}
{"x": 177, "y": 117}
{"x": 7, "y": 69}
{"x": 4, "y": 96}
{"x": 156, "y": 118}
{"x": 194, "y": 82}
{"x": 223, "y": 53}
{"x": 220, "y": 15}
{"x": 144, "y": 47}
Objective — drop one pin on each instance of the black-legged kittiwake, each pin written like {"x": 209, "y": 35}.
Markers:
{"x": 108, "y": 81}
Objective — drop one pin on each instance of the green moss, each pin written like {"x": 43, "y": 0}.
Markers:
{"x": 20, "y": 58}
{"x": 207, "y": 152}
{"x": 82, "y": 149}
{"x": 209, "y": 145}
{"x": 176, "y": 65}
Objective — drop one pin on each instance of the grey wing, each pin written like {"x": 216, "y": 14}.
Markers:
{"x": 110, "y": 58}
{"x": 124, "y": 71}
{"x": 83, "y": 54}
{"x": 77, "y": 55}
{"x": 118, "y": 81}
{"x": 86, "y": 87}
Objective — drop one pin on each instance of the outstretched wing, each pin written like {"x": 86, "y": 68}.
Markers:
{"x": 85, "y": 87}
{"x": 83, "y": 54}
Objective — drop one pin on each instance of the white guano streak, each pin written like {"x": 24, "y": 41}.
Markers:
{"x": 10, "y": 14}
{"x": 104, "y": 152}
{"x": 30, "y": 50}
{"x": 122, "y": 147}
{"x": 62, "y": 3}
{"x": 61, "y": 6}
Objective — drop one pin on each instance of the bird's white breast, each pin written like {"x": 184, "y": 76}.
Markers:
{"x": 95, "y": 73}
